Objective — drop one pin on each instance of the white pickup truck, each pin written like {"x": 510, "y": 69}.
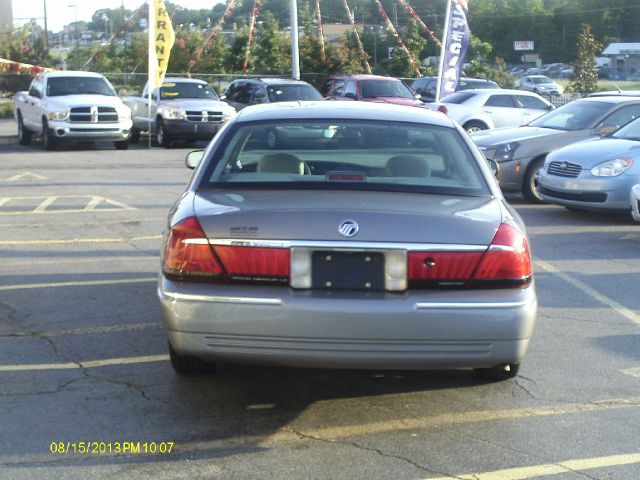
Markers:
{"x": 182, "y": 108}
{"x": 70, "y": 105}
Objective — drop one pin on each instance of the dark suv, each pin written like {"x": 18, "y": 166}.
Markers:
{"x": 426, "y": 86}
{"x": 368, "y": 88}
{"x": 252, "y": 91}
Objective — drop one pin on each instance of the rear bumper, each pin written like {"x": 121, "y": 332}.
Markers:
{"x": 412, "y": 330}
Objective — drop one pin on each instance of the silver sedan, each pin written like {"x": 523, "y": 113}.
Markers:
{"x": 381, "y": 242}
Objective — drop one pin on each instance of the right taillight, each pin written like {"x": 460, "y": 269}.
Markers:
{"x": 443, "y": 109}
{"x": 507, "y": 261}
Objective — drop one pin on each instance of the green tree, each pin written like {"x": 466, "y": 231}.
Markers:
{"x": 585, "y": 73}
{"x": 272, "y": 49}
{"x": 26, "y": 45}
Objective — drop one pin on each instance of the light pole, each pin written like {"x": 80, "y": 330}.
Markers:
{"x": 46, "y": 29}
{"x": 75, "y": 26}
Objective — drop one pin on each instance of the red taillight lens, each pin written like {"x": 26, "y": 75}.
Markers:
{"x": 441, "y": 268}
{"x": 443, "y": 109}
{"x": 255, "y": 264}
{"x": 188, "y": 252}
{"x": 507, "y": 259}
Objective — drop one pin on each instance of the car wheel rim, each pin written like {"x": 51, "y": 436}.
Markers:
{"x": 160, "y": 135}
{"x": 20, "y": 130}
{"x": 473, "y": 129}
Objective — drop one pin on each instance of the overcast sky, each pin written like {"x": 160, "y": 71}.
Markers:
{"x": 61, "y": 12}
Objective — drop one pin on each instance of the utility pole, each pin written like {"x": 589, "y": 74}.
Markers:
{"x": 46, "y": 28}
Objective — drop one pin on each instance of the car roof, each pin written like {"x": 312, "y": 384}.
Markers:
{"x": 274, "y": 81}
{"x": 610, "y": 99}
{"x": 342, "y": 111}
{"x": 365, "y": 76}
{"x": 183, "y": 80}
{"x": 72, "y": 73}
{"x": 616, "y": 93}
{"x": 502, "y": 91}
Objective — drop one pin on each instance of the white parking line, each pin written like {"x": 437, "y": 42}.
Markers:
{"x": 567, "y": 466}
{"x": 593, "y": 293}
{"x": 71, "y": 241}
{"x": 89, "y": 364}
{"x": 88, "y": 283}
{"x": 41, "y": 204}
{"x": 634, "y": 372}
{"x": 21, "y": 177}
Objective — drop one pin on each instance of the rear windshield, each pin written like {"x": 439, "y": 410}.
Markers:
{"x": 385, "y": 88}
{"x": 458, "y": 97}
{"x": 330, "y": 154}
{"x": 171, "y": 90}
{"x": 291, "y": 93}
{"x": 58, "y": 86}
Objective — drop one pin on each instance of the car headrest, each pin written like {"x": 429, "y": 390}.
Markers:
{"x": 281, "y": 163}
{"x": 407, "y": 166}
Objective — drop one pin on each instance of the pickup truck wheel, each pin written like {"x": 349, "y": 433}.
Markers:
{"x": 24, "y": 135}
{"x": 134, "y": 135}
{"x": 162, "y": 139}
{"x": 123, "y": 145}
{"x": 49, "y": 141}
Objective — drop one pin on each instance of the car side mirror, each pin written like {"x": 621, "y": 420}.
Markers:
{"x": 350, "y": 95}
{"x": 194, "y": 158}
{"x": 494, "y": 166}
{"x": 223, "y": 97}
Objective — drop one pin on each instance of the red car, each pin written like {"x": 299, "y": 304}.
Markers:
{"x": 368, "y": 88}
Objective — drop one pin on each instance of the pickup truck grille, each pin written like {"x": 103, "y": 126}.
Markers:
{"x": 93, "y": 115}
{"x": 564, "y": 169}
{"x": 206, "y": 116}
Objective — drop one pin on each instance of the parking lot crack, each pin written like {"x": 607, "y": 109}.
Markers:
{"x": 377, "y": 451}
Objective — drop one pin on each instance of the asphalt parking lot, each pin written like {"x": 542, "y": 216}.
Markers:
{"x": 87, "y": 391}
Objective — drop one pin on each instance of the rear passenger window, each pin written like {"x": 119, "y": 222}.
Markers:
{"x": 500, "y": 101}
{"x": 526, "y": 101}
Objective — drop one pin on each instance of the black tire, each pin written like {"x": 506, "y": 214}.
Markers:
{"x": 474, "y": 126}
{"x": 272, "y": 139}
{"x": 498, "y": 373}
{"x": 122, "y": 145}
{"x": 530, "y": 185}
{"x": 24, "y": 134}
{"x": 49, "y": 141}
{"x": 134, "y": 135}
{"x": 188, "y": 365}
{"x": 162, "y": 139}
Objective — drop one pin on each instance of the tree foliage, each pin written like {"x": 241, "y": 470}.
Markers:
{"x": 585, "y": 73}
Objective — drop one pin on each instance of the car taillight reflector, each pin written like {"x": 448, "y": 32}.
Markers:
{"x": 507, "y": 258}
{"x": 442, "y": 267}
{"x": 443, "y": 109}
{"x": 255, "y": 263}
{"x": 188, "y": 252}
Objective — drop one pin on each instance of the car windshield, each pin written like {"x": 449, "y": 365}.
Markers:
{"x": 469, "y": 84}
{"x": 346, "y": 154}
{"x": 577, "y": 115}
{"x": 174, "y": 90}
{"x": 289, "y": 93}
{"x": 58, "y": 86}
{"x": 385, "y": 88}
{"x": 540, "y": 80}
{"x": 631, "y": 131}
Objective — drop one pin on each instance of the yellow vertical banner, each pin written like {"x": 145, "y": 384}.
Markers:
{"x": 161, "y": 39}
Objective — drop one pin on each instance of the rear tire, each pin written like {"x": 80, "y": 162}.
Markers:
{"x": 24, "y": 134}
{"x": 530, "y": 187}
{"x": 49, "y": 141}
{"x": 474, "y": 126}
{"x": 188, "y": 365}
{"x": 498, "y": 373}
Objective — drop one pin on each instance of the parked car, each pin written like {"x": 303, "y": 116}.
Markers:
{"x": 381, "y": 242}
{"x": 253, "y": 91}
{"x": 595, "y": 174}
{"x": 479, "y": 110}
{"x": 426, "y": 86}
{"x": 635, "y": 202}
{"x": 369, "y": 88}
{"x": 182, "y": 108}
{"x": 539, "y": 84}
{"x": 521, "y": 151}
{"x": 66, "y": 106}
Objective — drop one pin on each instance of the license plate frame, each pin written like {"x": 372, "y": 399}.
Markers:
{"x": 336, "y": 270}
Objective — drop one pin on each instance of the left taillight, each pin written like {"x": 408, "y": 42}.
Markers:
{"x": 188, "y": 253}
{"x": 189, "y": 256}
